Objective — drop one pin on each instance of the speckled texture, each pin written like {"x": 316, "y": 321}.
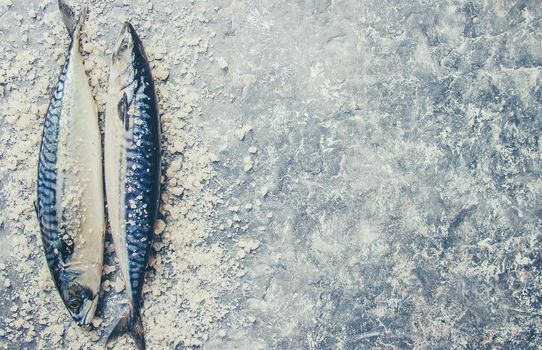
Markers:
{"x": 400, "y": 145}
{"x": 378, "y": 170}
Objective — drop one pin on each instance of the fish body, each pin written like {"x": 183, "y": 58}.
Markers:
{"x": 132, "y": 169}
{"x": 70, "y": 195}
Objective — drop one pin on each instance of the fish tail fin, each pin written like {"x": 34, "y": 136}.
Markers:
{"x": 71, "y": 21}
{"x": 68, "y": 16}
{"x": 129, "y": 323}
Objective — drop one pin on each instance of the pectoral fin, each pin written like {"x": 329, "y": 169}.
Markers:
{"x": 123, "y": 111}
{"x": 36, "y": 209}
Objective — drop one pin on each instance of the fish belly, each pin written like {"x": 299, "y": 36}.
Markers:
{"x": 80, "y": 194}
{"x": 115, "y": 184}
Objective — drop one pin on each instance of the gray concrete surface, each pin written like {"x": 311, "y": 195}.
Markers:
{"x": 400, "y": 142}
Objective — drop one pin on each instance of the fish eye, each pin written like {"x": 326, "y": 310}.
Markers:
{"x": 123, "y": 45}
{"x": 74, "y": 304}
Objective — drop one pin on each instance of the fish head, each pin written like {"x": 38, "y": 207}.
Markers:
{"x": 80, "y": 301}
{"x": 125, "y": 55}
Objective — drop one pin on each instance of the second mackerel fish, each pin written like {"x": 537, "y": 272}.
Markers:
{"x": 132, "y": 170}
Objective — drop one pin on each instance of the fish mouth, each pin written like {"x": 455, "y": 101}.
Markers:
{"x": 83, "y": 320}
{"x": 86, "y": 320}
{"x": 128, "y": 27}
{"x": 90, "y": 312}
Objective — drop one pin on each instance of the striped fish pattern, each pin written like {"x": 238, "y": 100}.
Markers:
{"x": 70, "y": 196}
{"x": 132, "y": 169}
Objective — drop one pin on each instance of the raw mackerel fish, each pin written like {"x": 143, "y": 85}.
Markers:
{"x": 132, "y": 170}
{"x": 70, "y": 196}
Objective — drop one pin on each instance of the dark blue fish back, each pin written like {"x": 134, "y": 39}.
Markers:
{"x": 142, "y": 176}
{"x": 56, "y": 250}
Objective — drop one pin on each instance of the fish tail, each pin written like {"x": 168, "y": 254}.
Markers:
{"x": 129, "y": 323}
{"x": 68, "y": 16}
{"x": 71, "y": 21}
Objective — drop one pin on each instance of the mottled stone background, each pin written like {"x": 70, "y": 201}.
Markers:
{"x": 393, "y": 178}
{"x": 400, "y": 143}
